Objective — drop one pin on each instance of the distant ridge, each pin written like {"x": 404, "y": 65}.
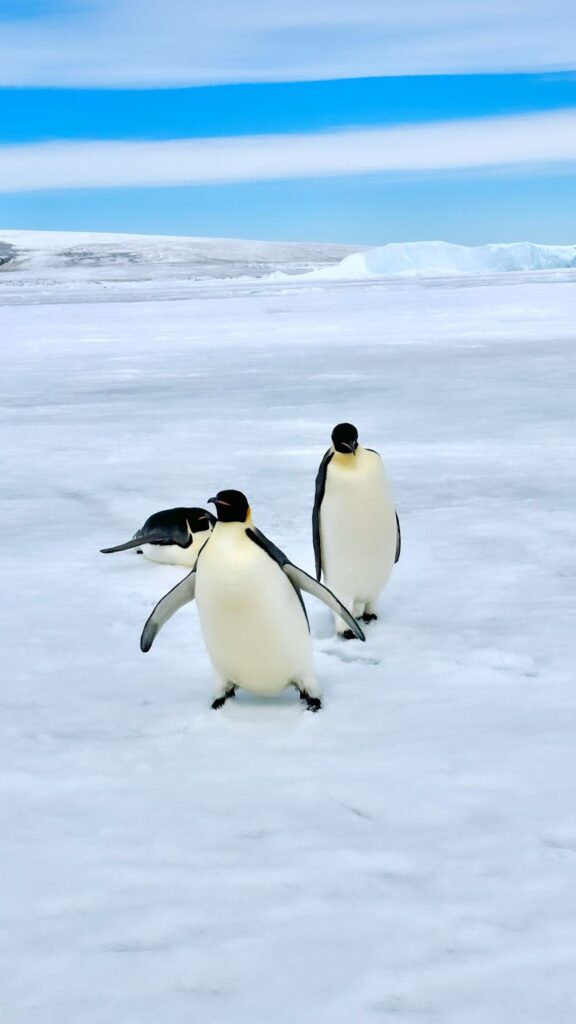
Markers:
{"x": 61, "y": 249}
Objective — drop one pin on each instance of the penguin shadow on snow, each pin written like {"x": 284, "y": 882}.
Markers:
{"x": 333, "y": 646}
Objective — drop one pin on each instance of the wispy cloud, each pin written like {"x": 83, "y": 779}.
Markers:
{"x": 147, "y": 42}
{"x": 485, "y": 142}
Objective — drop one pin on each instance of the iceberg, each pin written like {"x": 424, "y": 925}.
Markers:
{"x": 444, "y": 259}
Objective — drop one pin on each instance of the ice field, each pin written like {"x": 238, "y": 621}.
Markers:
{"x": 409, "y": 853}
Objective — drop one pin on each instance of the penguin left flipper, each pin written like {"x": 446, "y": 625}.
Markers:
{"x": 300, "y": 580}
{"x": 180, "y": 595}
{"x": 305, "y": 582}
{"x": 319, "y": 491}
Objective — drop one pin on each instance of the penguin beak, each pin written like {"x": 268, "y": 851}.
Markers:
{"x": 218, "y": 501}
{"x": 350, "y": 447}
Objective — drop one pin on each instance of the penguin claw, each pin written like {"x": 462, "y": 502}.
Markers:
{"x": 369, "y": 617}
{"x": 348, "y": 635}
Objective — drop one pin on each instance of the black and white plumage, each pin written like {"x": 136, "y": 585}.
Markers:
{"x": 355, "y": 527}
{"x": 174, "y": 536}
{"x": 251, "y": 611}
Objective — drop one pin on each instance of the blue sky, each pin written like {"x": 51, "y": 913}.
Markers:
{"x": 462, "y": 127}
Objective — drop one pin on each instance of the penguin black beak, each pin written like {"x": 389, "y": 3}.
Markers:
{"x": 218, "y": 501}
{"x": 350, "y": 447}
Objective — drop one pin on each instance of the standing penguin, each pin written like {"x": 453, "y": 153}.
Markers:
{"x": 175, "y": 536}
{"x": 251, "y": 610}
{"x": 356, "y": 530}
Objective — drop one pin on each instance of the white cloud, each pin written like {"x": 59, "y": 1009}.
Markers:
{"x": 146, "y": 42}
{"x": 481, "y": 143}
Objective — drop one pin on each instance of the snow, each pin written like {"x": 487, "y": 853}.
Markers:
{"x": 410, "y": 852}
{"x": 431, "y": 259}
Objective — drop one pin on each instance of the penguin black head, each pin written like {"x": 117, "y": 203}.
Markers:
{"x": 200, "y": 519}
{"x": 231, "y": 506}
{"x": 345, "y": 438}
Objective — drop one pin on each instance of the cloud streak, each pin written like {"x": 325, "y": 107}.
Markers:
{"x": 179, "y": 42}
{"x": 477, "y": 143}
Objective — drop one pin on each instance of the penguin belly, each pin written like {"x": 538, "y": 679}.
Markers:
{"x": 357, "y": 527}
{"x": 251, "y": 618}
{"x": 173, "y": 554}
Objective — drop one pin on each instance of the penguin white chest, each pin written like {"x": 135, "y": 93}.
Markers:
{"x": 251, "y": 618}
{"x": 357, "y": 526}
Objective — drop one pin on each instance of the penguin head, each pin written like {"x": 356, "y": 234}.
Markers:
{"x": 231, "y": 506}
{"x": 345, "y": 438}
{"x": 200, "y": 519}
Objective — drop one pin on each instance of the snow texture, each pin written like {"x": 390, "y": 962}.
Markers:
{"x": 443, "y": 259}
{"x": 408, "y": 854}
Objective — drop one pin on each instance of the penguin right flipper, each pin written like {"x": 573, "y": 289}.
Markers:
{"x": 398, "y": 541}
{"x": 137, "y": 541}
{"x": 180, "y": 595}
{"x": 318, "y": 499}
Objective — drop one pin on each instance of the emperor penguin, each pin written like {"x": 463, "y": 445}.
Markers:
{"x": 175, "y": 536}
{"x": 356, "y": 530}
{"x": 251, "y": 611}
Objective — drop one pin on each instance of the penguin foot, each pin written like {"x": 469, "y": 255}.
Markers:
{"x": 139, "y": 551}
{"x": 220, "y": 701}
{"x": 347, "y": 635}
{"x": 369, "y": 617}
{"x": 312, "y": 703}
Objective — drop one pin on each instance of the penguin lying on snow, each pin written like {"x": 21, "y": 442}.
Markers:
{"x": 175, "y": 536}
{"x": 251, "y": 610}
{"x": 356, "y": 530}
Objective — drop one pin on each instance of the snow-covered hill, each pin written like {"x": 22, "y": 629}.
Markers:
{"x": 53, "y": 266}
{"x": 203, "y": 257}
{"x": 443, "y": 259}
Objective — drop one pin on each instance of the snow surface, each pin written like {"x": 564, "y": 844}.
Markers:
{"x": 408, "y": 854}
{"x": 431, "y": 259}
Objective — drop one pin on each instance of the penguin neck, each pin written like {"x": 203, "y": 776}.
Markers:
{"x": 234, "y": 529}
{"x": 348, "y": 460}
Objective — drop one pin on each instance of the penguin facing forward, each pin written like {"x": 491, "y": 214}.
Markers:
{"x": 356, "y": 530}
{"x": 175, "y": 536}
{"x": 251, "y": 610}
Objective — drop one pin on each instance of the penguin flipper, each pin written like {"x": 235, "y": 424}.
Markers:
{"x": 136, "y": 542}
{"x": 318, "y": 499}
{"x": 398, "y": 541}
{"x": 305, "y": 582}
{"x": 180, "y": 595}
